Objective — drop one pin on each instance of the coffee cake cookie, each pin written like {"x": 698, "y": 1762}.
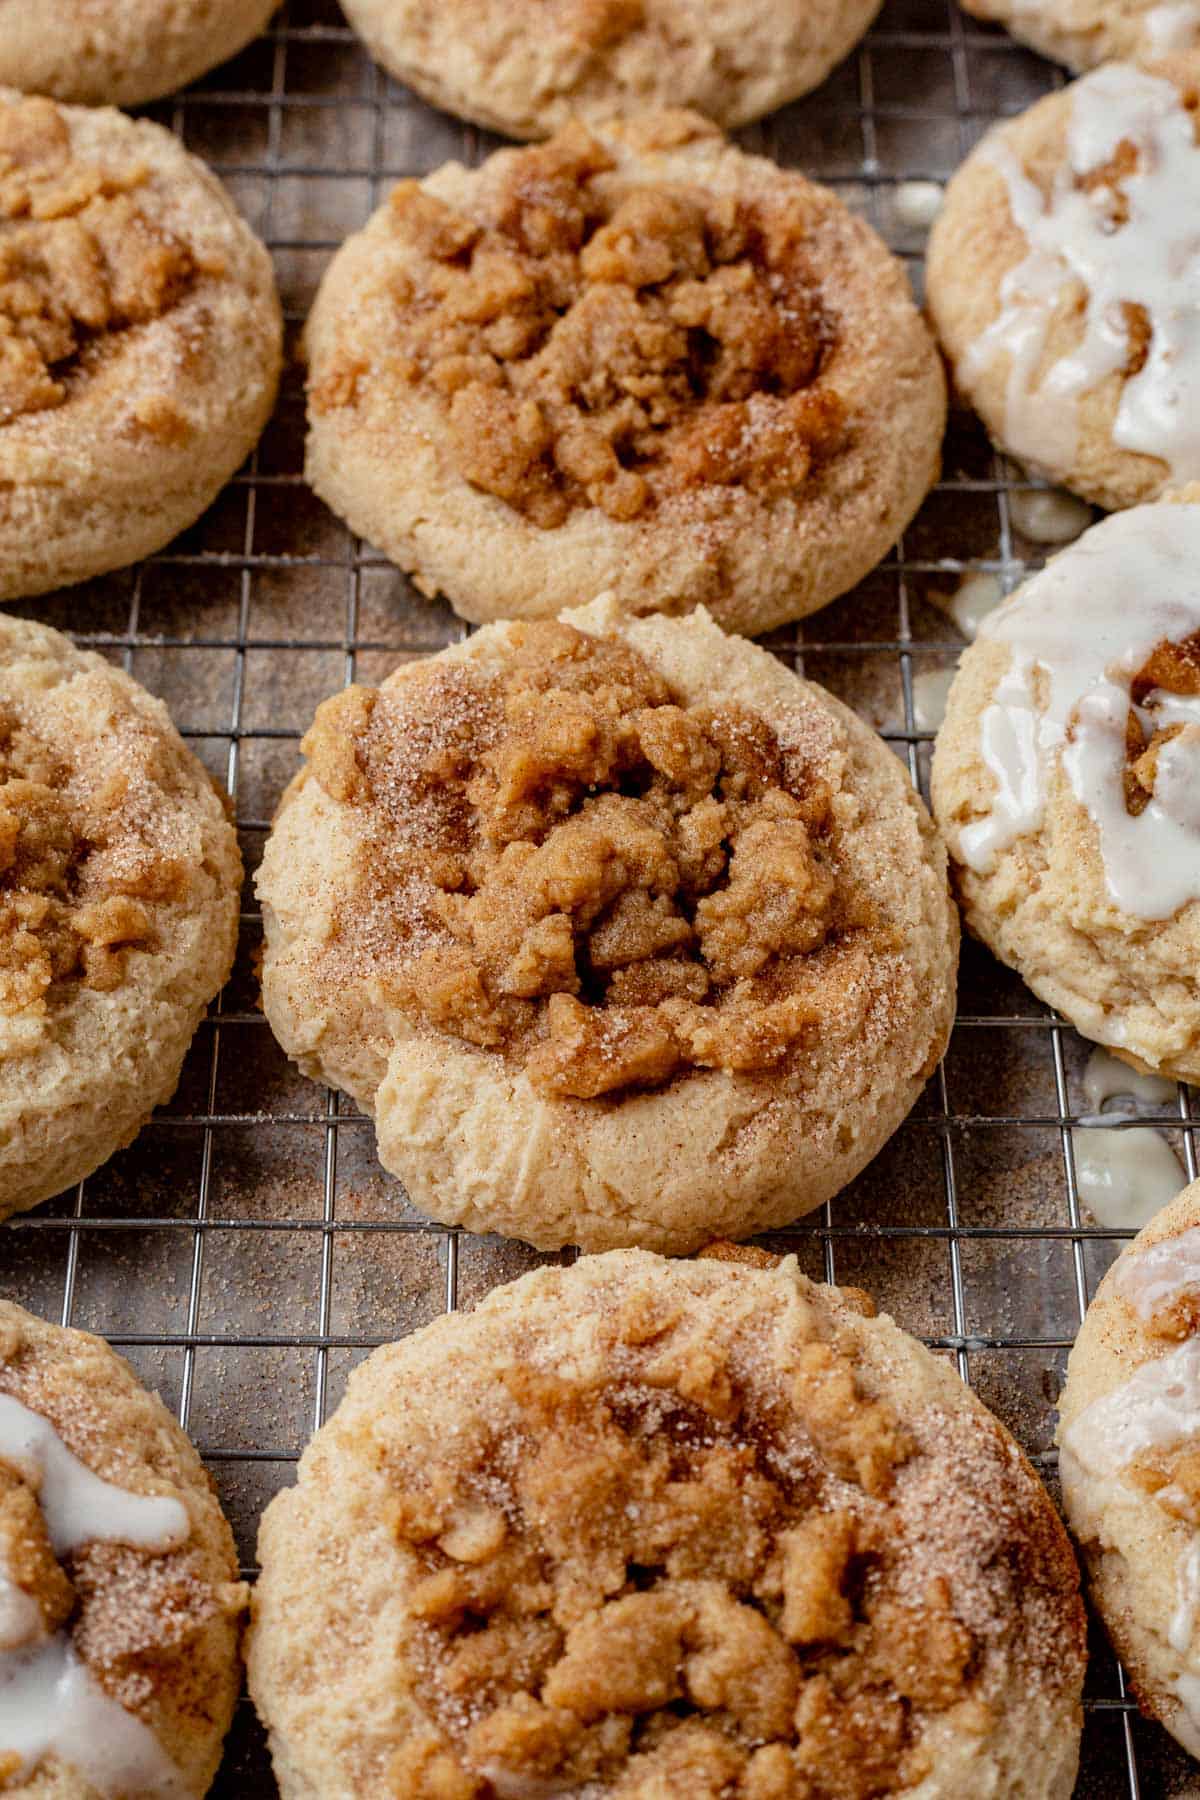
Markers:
{"x": 140, "y": 341}
{"x": 119, "y": 894}
{"x": 644, "y": 1529}
{"x": 1065, "y": 782}
{"x": 121, "y": 52}
{"x": 1062, "y": 279}
{"x": 1085, "y": 33}
{"x": 1129, "y": 1458}
{"x": 120, "y": 1602}
{"x": 633, "y": 359}
{"x": 623, "y": 933}
{"x": 527, "y": 69}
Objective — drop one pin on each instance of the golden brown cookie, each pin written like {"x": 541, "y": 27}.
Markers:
{"x": 1065, "y": 783}
{"x": 1062, "y": 278}
{"x": 526, "y": 67}
{"x": 140, "y": 341}
{"x": 1129, "y": 1456}
{"x": 120, "y": 1601}
{"x": 121, "y": 52}
{"x": 633, "y": 359}
{"x": 119, "y": 891}
{"x": 622, "y": 932}
{"x": 1084, "y": 33}
{"x": 642, "y": 1529}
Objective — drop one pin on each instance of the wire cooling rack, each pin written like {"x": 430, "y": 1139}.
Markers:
{"x": 247, "y": 1251}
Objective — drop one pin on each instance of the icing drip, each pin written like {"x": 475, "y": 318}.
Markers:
{"x": 1107, "y": 1078}
{"x": 1124, "y": 1177}
{"x": 1128, "y": 246}
{"x": 975, "y": 597}
{"x": 1048, "y": 516}
{"x": 50, "y": 1704}
{"x": 930, "y": 691}
{"x": 1153, "y": 1279}
{"x": 1183, "y": 1619}
{"x": 1081, "y": 630}
{"x": 918, "y": 203}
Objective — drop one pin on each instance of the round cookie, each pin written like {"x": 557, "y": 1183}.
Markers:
{"x": 119, "y": 892}
{"x": 140, "y": 342}
{"x": 120, "y": 1603}
{"x": 1065, "y": 779}
{"x": 623, "y": 933}
{"x": 643, "y": 1528}
{"x": 1128, "y": 1442}
{"x": 1061, "y": 280}
{"x": 121, "y": 52}
{"x": 635, "y": 359}
{"x": 527, "y": 69}
{"x": 1085, "y": 33}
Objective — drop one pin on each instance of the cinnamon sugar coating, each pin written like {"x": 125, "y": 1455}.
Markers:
{"x": 622, "y": 932}
{"x": 634, "y": 358}
{"x": 157, "y": 1630}
{"x": 728, "y": 1543}
{"x": 119, "y": 878}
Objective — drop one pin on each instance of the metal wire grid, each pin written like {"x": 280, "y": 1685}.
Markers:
{"x": 247, "y": 1251}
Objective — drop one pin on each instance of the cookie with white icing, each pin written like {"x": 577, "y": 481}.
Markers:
{"x": 1129, "y": 1458}
{"x": 121, "y": 52}
{"x": 1064, "y": 282}
{"x": 634, "y": 359}
{"x": 1085, "y": 33}
{"x": 140, "y": 341}
{"x": 120, "y": 1602}
{"x": 623, "y": 932}
{"x": 1066, "y": 780}
{"x": 526, "y": 67}
{"x": 120, "y": 882}
{"x": 638, "y": 1528}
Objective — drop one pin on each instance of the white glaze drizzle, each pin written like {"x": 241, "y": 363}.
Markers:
{"x": 1187, "y": 1728}
{"x": 1086, "y": 625}
{"x": 1151, "y": 1279}
{"x": 49, "y": 1702}
{"x": 1106, "y": 1078}
{"x": 918, "y": 203}
{"x": 1125, "y": 1177}
{"x": 1149, "y": 259}
{"x": 1048, "y": 515}
{"x": 930, "y": 691}
{"x": 975, "y": 597}
{"x": 1158, "y": 1408}
{"x": 1173, "y": 27}
{"x": 1187, "y": 1603}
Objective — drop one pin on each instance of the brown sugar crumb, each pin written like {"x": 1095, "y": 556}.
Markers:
{"x": 564, "y": 864}
{"x": 79, "y": 258}
{"x": 85, "y": 852}
{"x": 1172, "y": 668}
{"x": 608, "y": 348}
{"x": 675, "y": 1608}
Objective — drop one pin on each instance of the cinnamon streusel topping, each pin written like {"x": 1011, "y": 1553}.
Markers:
{"x": 592, "y": 348}
{"x": 562, "y": 863}
{"x": 80, "y": 256}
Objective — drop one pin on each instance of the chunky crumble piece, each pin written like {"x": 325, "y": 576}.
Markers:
{"x": 1171, "y": 669}
{"x": 655, "y": 1588}
{"x": 82, "y": 861}
{"x": 79, "y": 257}
{"x": 609, "y": 349}
{"x": 563, "y": 863}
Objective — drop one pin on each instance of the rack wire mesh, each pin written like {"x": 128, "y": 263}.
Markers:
{"x": 247, "y": 1250}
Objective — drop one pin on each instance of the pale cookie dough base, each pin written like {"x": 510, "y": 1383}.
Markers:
{"x": 85, "y": 487}
{"x": 77, "y": 1083}
{"x": 125, "y": 1434}
{"x": 1084, "y": 33}
{"x": 384, "y": 463}
{"x": 330, "y": 1606}
{"x": 121, "y": 52}
{"x": 711, "y": 1154}
{"x": 515, "y": 67}
{"x": 1131, "y": 1546}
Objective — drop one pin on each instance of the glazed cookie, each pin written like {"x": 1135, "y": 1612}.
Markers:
{"x": 1061, "y": 280}
{"x": 636, "y": 360}
{"x": 120, "y": 1601}
{"x": 1130, "y": 1461}
{"x": 527, "y": 69}
{"x": 623, "y": 932}
{"x": 645, "y": 1529}
{"x": 119, "y": 895}
{"x": 140, "y": 338}
{"x": 1084, "y": 33}
{"x": 121, "y": 52}
{"x": 1065, "y": 782}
